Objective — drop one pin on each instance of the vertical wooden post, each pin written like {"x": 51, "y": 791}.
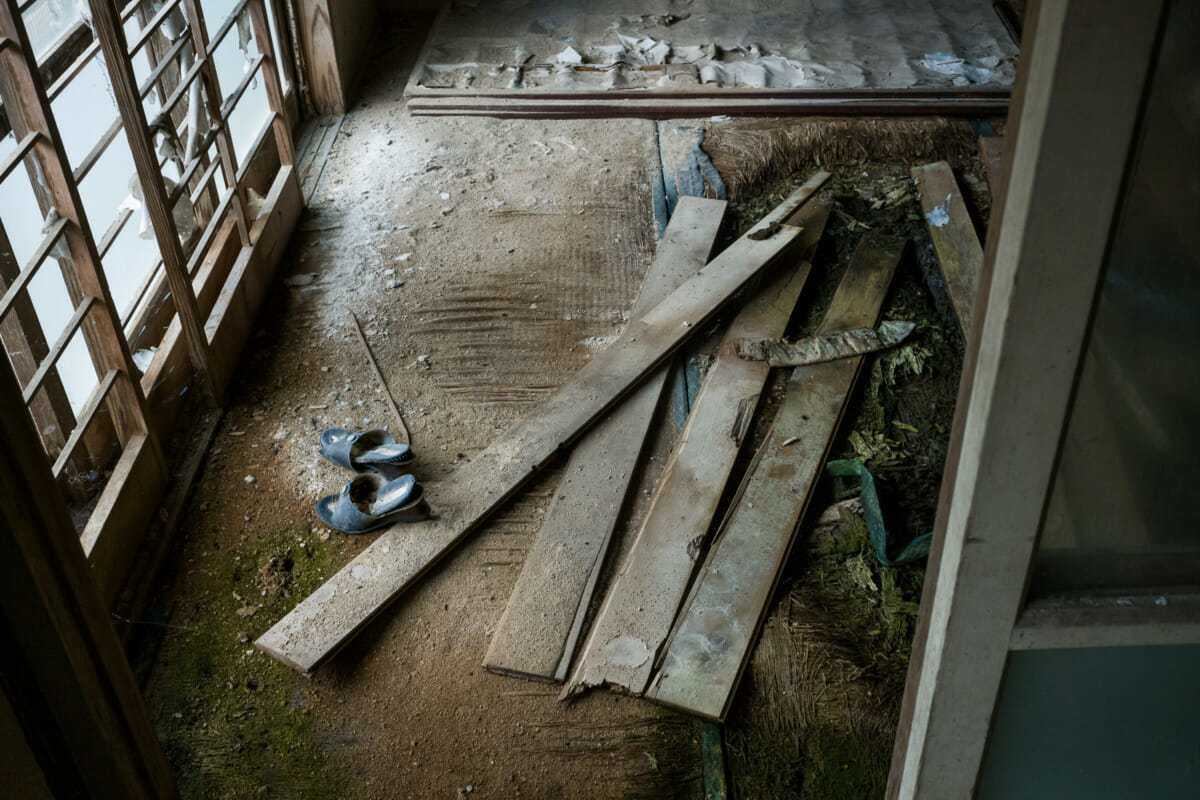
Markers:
{"x": 61, "y": 667}
{"x": 283, "y": 133}
{"x": 26, "y": 105}
{"x": 111, "y": 35}
{"x": 1084, "y": 65}
{"x": 212, "y": 90}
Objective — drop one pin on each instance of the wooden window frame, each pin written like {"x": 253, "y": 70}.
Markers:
{"x": 197, "y": 302}
{"x": 1082, "y": 66}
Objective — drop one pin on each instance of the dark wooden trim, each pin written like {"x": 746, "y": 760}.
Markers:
{"x": 51, "y": 359}
{"x": 61, "y": 666}
{"x": 154, "y": 194}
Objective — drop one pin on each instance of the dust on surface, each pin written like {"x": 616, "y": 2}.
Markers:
{"x": 484, "y": 260}
{"x": 487, "y": 261}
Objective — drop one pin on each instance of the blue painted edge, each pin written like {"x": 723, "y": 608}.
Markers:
{"x": 981, "y": 127}
{"x": 685, "y": 384}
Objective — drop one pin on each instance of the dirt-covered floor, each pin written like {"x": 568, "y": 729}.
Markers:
{"x": 486, "y": 261}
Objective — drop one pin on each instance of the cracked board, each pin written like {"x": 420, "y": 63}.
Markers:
{"x": 638, "y": 611}
{"x": 720, "y": 619}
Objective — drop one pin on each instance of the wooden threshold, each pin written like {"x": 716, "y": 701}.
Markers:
{"x": 730, "y": 102}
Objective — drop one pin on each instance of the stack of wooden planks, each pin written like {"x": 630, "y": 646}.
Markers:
{"x": 679, "y": 620}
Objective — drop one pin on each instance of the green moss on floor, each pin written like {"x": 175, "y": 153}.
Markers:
{"x": 236, "y": 723}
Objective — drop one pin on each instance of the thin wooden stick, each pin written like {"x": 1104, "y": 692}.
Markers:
{"x": 402, "y": 435}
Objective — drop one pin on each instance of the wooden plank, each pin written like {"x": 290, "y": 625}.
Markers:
{"x": 46, "y": 368}
{"x": 17, "y": 288}
{"x": 991, "y": 148}
{"x": 23, "y": 148}
{"x": 312, "y": 164}
{"x": 150, "y": 27}
{"x": 116, "y": 528}
{"x": 537, "y": 633}
{"x": 324, "y": 622}
{"x": 728, "y": 102}
{"x": 953, "y": 234}
{"x": 226, "y": 25}
{"x": 327, "y": 85}
{"x": 86, "y": 415}
{"x": 237, "y": 305}
{"x": 720, "y": 620}
{"x": 636, "y": 617}
{"x": 248, "y": 77}
{"x": 97, "y": 150}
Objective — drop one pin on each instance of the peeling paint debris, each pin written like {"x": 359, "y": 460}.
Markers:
{"x": 827, "y": 347}
{"x": 939, "y": 217}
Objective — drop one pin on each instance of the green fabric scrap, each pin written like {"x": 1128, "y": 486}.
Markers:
{"x": 915, "y": 550}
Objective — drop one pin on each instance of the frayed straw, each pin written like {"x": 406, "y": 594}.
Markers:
{"x": 749, "y": 152}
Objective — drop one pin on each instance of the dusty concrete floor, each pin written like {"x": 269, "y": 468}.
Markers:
{"x": 485, "y": 259}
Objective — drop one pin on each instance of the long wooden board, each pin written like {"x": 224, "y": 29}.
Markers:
{"x": 636, "y": 617}
{"x": 537, "y": 633}
{"x": 720, "y": 620}
{"x": 953, "y": 234}
{"x": 948, "y": 102}
{"x": 334, "y": 613}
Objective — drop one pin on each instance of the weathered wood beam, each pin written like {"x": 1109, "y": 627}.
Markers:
{"x": 538, "y": 632}
{"x": 719, "y": 623}
{"x": 331, "y": 616}
{"x": 635, "y": 620}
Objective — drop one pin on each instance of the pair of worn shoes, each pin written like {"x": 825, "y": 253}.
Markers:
{"x": 384, "y": 490}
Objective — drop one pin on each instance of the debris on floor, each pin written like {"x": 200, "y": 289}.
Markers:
{"x": 746, "y": 475}
{"x": 825, "y": 347}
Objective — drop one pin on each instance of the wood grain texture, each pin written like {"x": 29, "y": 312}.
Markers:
{"x": 953, "y": 234}
{"x": 64, "y": 672}
{"x": 537, "y": 633}
{"x": 711, "y": 644}
{"x": 991, "y": 149}
{"x": 333, "y": 39}
{"x": 638, "y": 611}
{"x": 111, "y": 36}
{"x": 722, "y": 101}
{"x": 326, "y": 620}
